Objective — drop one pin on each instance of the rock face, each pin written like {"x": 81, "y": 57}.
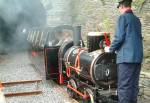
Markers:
{"x": 145, "y": 15}
{"x": 94, "y": 15}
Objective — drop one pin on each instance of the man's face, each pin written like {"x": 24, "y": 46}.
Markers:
{"x": 120, "y": 9}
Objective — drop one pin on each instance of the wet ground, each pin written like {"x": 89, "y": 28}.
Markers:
{"x": 17, "y": 66}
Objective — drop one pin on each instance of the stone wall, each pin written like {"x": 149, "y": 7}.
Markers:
{"x": 93, "y": 15}
{"x": 145, "y": 19}
{"x": 58, "y": 12}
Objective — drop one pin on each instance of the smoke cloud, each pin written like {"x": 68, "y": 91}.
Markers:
{"x": 16, "y": 16}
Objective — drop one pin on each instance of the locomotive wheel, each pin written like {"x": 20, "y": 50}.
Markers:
{"x": 90, "y": 99}
{"x": 71, "y": 93}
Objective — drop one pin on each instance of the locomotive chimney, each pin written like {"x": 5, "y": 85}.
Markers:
{"x": 77, "y": 40}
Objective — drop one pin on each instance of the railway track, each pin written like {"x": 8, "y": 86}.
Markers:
{"x": 20, "y": 79}
{"x": 22, "y": 93}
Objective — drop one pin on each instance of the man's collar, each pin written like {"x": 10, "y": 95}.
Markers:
{"x": 128, "y": 11}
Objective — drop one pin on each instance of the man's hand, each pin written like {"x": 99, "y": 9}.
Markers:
{"x": 106, "y": 49}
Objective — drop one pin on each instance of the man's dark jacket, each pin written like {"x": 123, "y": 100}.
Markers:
{"x": 128, "y": 39}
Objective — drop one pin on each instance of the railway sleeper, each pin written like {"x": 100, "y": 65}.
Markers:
{"x": 23, "y": 93}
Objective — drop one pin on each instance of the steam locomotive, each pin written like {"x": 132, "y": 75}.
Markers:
{"x": 88, "y": 71}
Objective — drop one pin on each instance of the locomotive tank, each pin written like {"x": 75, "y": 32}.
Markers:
{"x": 97, "y": 66}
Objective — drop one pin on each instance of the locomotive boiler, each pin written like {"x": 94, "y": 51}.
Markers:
{"x": 97, "y": 67}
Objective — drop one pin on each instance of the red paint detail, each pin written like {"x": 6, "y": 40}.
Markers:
{"x": 61, "y": 79}
{"x": 34, "y": 53}
{"x": 107, "y": 39}
{"x": 1, "y": 86}
{"x": 68, "y": 72}
{"x": 77, "y": 62}
{"x": 74, "y": 68}
{"x": 78, "y": 92}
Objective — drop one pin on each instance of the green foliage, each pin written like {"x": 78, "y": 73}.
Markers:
{"x": 103, "y": 1}
{"x": 106, "y": 24}
{"x": 138, "y": 4}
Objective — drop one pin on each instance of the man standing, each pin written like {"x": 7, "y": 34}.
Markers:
{"x": 128, "y": 45}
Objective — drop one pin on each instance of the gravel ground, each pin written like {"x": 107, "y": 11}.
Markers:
{"x": 16, "y": 67}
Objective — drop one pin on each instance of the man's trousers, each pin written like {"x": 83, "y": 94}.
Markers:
{"x": 128, "y": 82}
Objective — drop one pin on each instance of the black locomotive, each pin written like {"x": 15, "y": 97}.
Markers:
{"x": 89, "y": 72}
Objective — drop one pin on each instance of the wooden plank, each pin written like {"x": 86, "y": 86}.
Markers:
{"x": 23, "y": 93}
{"x": 20, "y": 82}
